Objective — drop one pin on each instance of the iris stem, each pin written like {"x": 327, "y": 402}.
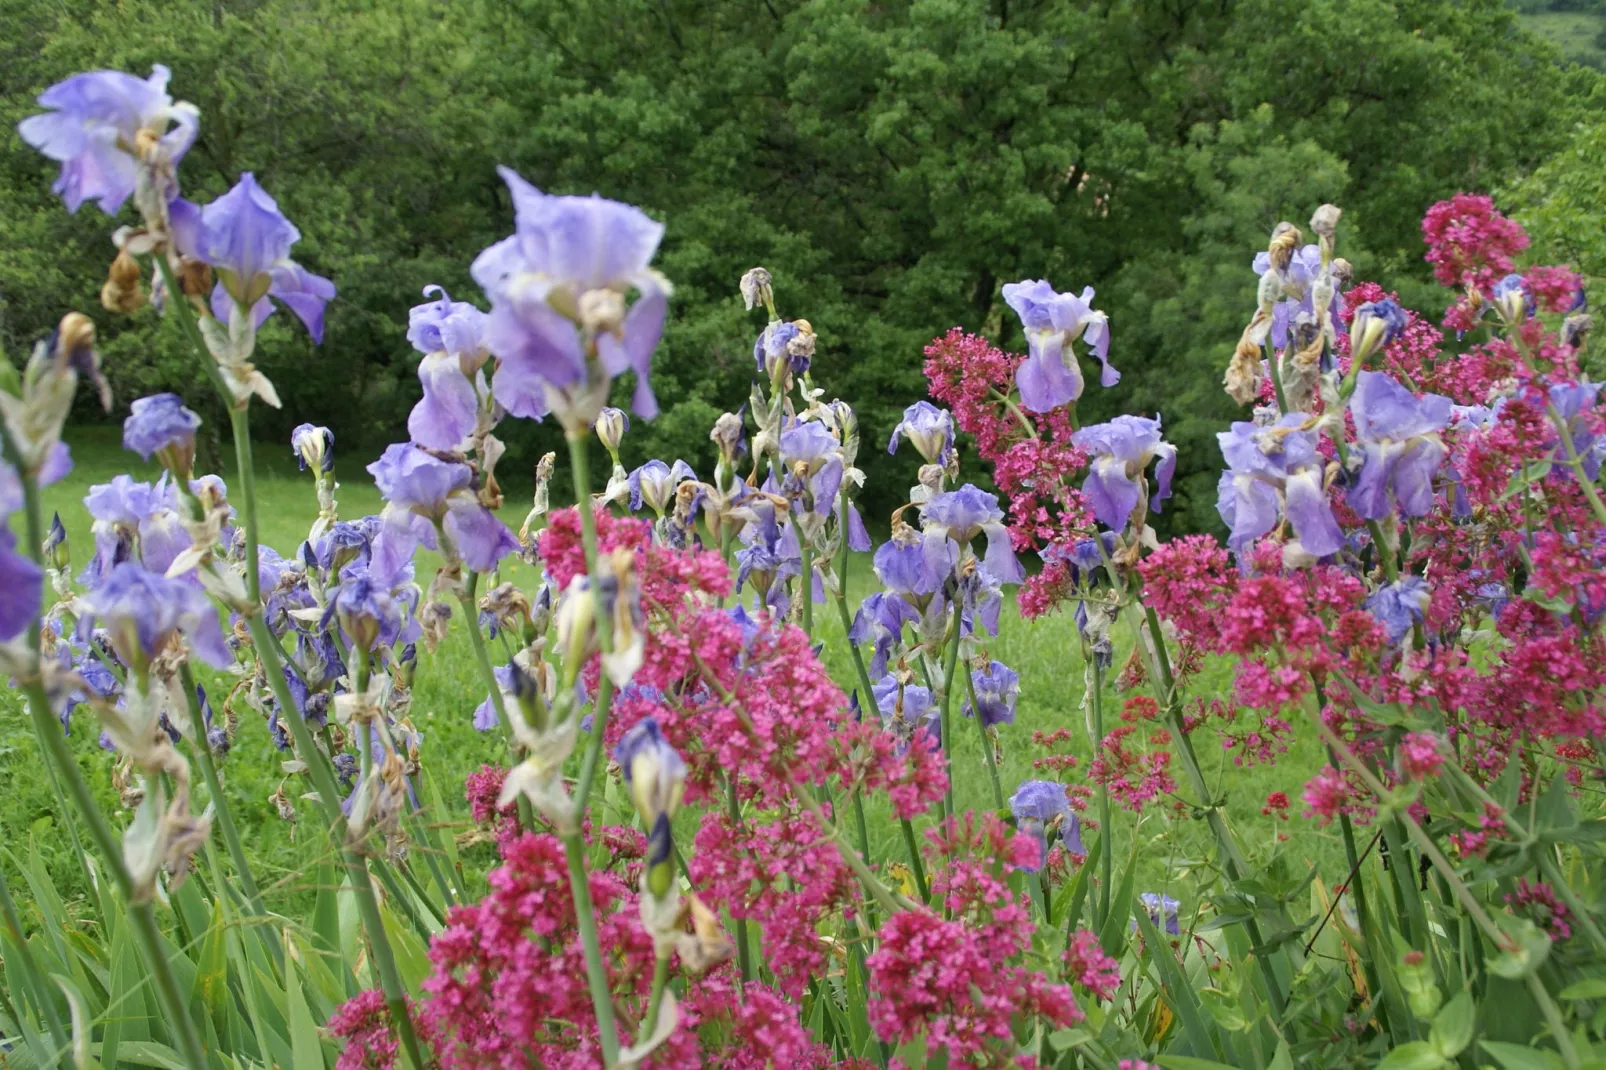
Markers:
{"x": 579, "y": 886}
{"x": 915, "y": 863}
{"x": 867, "y": 701}
{"x": 1570, "y": 449}
{"x": 807, "y": 592}
{"x": 482, "y": 658}
{"x": 1107, "y": 855}
{"x": 655, "y": 1002}
{"x": 986, "y": 742}
{"x": 947, "y": 706}
{"x": 744, "y": 956}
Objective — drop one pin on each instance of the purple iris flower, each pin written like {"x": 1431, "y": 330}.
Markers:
{"x": 1083, "y": 557}
{"x": 906, "y": 709}
{"x": 1162, "y": 906}
{"x": 416, "y": 481}
{"x": 997, "y": 692}
{"x": 142, "y": 611}
{"x": 813, "y": 460}
{"x": 1399, "y": 606}
{"x": 656, "y": 482}
{"x": 1573, "y": 403}
{"x": 160, "y": 422}
{"x": 485, "y": 713}
{"x": 451, "y": 335}
{"x": 1400, "y": 446}
{"x": 1050, "y": 376}
{"x": 1303, "y": 268}
{"x": 904, "y": 567}
{"x": 1121, "y": 450}
{"x": 930, "y": 431}
{"x": 1040, "y": 807}
{"x": 313, "y": 446}
{"x": 124, "y": 510}
{"x": 782, "y": 344}
{"x": 247, "y": 240}
{"x": 97, "y": 122}
{"x": 1263, "y": 461}
{"x": 572, "y": 253}
{"x": 22, "y": 585}
{"x": 961, "y": 515}
{"x": 770, "y": 553}
{"x": 879, "y": 621}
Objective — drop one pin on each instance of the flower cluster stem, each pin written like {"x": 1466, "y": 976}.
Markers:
{"x": 579, "y": 885}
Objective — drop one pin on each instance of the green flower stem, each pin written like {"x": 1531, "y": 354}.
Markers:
{"x": 1576, "y": 463}
{"x": 914, "y": 860}
{"x": 579, "y": 885}
{"x": 986, "y": 743}
{"x": 1276, "y": 377}
{"x": 655, "y": 1002}
{"x": 220, "y": 803}
{"x": 54, "y": 744}
{"x": 947, "y": 708}
{"x": 866, "y": 693}
{"x": 1107, "y": 855}
{"x": 318, "y": 764}
{"x": 1463, "y": 894}
{"x": 1232, "y": 858}
{"x": 744, "y": 955}
{"x": 31, "y": 973}
{"x": 806, "y": 590}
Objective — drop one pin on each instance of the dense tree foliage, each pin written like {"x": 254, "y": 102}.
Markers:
{"x": 891, "y": 163}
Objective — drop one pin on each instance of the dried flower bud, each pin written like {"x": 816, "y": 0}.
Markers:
{"x": 195, "y": 278}
{"x": 1325, "y": 221}
{"x": 1343, "y": 272}
{"x": 756, "y": 289}
{"x": 122, "y": 291}
{"x": 1285, "y": 238}
{"x": 729, "y": 435}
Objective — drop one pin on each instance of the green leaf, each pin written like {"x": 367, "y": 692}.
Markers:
{"x": 211, "y": 965}
{"x": 80, "y": 1021}
{"x": 1531, "y": 948}
{"x": 1412, "y": 1055}
{"x": 1178, "y": 993}
{"x": 1452, "y": 1028}
{"x": 150, "y": 1053}
{"x": 305, "y": 1048}
{"x": 1112, "y": 934}
{"x": 1521, "y": 1057}
{"x": 1184, "y": 1062}
{"x": 1588, "y": 988}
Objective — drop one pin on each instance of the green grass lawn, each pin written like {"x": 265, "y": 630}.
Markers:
{"x": 1045, "y": 653}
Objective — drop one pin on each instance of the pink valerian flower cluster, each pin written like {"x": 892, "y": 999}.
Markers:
{"x": 1539, "y": 902}
{"x": 364, "y": 1023}
{"x": 1134, "y": 766}
{"x": 1331, "y": 793}
{"x": 958, "y": 978}
{"x": 668, "y": 576}
{"x": 1470, "y": 244}
{"x": 1475, "y": 842}
{"x": 1419, "y": 756}
{"x": 1033, "y": 458}
{"x": 505, "y": 970}
{"x": 1086, "y": 964}
{"x": 785, "y": 875}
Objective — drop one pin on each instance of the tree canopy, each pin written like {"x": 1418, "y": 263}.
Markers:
{"x": 891, "y": 163}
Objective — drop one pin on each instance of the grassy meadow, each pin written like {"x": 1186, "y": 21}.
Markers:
{"x": 1045, "y": 653}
